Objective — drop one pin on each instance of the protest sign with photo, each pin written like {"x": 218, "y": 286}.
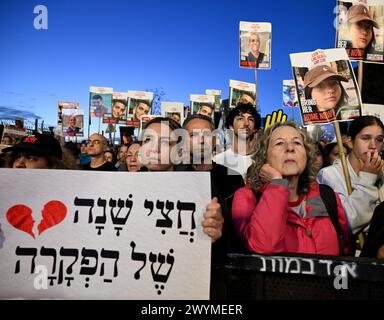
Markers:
{"x": 118, "y": 114}
{"x": 174, "y": 110}
{"x": 72, "y": 238}
{"x": 62, "y": 105}
{"x": 255, "y": 45}
{"x": 241, "y": 92}
{"x": 139, "y": 104}
{"x": 73, "y": 122}
{"x": 360, "y": 29}
{"x": 376, "y": 110}
{"x": 202, "y": 104}
{"x": 12, "y": 135}
{"x": 326, "y": 86}
{"x": 217, "y": 95}
{"x": 289, "y": 94}
{"x": 100, "y": 101}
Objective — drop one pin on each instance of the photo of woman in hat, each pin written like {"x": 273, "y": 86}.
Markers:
{"x": 360, "y": 26}
{"x": 323, "y": 86}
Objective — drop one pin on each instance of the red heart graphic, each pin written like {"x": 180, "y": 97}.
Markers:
{"x": 20, "y": 216}
{"x": 53, "y": 213}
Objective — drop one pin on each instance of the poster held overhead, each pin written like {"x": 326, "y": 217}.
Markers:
{"x": 174, "y": 110}
{"x": 326, "y": 86}
{"x": 100, "y": 101}
{"x": 139, "y": 104}
{"x": 360, "y": 29}
{"x": 73, "y": 122}
{"x": 118, "y": 113}
{"x": 255, "y": 45}
{"x": 202, "y": 104}
{"x": 241, "y": 92}
{"x": 289, "y": 94}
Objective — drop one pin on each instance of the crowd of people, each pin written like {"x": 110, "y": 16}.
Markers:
{"x": 266, "y": 187}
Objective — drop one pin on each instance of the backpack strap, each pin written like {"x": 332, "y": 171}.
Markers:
{"x": 329, "y": 198}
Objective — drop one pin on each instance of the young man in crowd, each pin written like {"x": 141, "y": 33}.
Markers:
{"x": 244, "y": 121}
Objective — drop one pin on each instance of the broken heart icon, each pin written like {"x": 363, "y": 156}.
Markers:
{"x": 20, "y": 217}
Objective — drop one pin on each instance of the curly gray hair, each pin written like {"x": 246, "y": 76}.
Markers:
{"x": 260, "y": 158}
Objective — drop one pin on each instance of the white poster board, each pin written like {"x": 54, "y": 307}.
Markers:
{"x": 102, "y": 235}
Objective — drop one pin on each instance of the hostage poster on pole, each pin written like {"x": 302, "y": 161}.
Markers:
{"x": 118, "y": 113}
{"x": 202, "y": 104}
{"x": 173, "y": 110}
{"x": 255, "y": 45}
{"x": 326, "y": 86}
{"x": 289, "y": 94}
{"x": 241, "y": 92}
{"x": 360, "y": 29}
{"x": 100, "y": 101}
{"x": 72, "y": 238}
{"x": 139, "y": 104}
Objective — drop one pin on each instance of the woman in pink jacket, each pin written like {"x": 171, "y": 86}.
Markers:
{"x": 280, "y": 209}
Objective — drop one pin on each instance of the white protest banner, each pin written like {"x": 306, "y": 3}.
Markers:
{"x": 326, "y": 86}
{"x": 101, "y": 235}
{"x": 255, "y": 45}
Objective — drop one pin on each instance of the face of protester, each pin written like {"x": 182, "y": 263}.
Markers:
{"x": 244, "y": 126}
{"x": 27, "y": 160}
{"x": 83, "y": 148}
{"x": 368, "y": 140}
{"x": 158, "y": 141}
{"x": 361, "y": 34}
{"x": 326, "y": 94}
{"x": 205, "y": 110}
{"x": 123, "y": 153}
{"x": 118, "y": 110}
{"x": 7, "y": 141}
{"x": 254, "y": 43}
{"x": 286, "y": 152}
{"x": 200, "y": 140}
{"x": 96, "y": 145}
{"x": 176, "y": 117}
{"x": 132, "y": 159}
{"x": 140, "y": 110}
{"x": 335, "y": 154}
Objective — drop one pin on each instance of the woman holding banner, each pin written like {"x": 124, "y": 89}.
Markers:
{"x": 280, "y": 209}
{"x": 366, "y": 135}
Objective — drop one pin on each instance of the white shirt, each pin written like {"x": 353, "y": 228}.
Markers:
{"x": 234, "y": 161}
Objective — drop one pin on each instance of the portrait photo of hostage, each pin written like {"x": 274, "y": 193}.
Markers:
{"x": 139, "y": 108}
{"x": 204, "y": 108}
{"x": 174, "y": 115}
{"x": 100, "y": 104}
{"x": 289, "y": 94}
{"x": 255, "y": 45}
{"x": 360, "y": 30}
{"x": 73, "y": 125}
{"x": 327, "y": 91}
{"x": 241, "y": 97}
